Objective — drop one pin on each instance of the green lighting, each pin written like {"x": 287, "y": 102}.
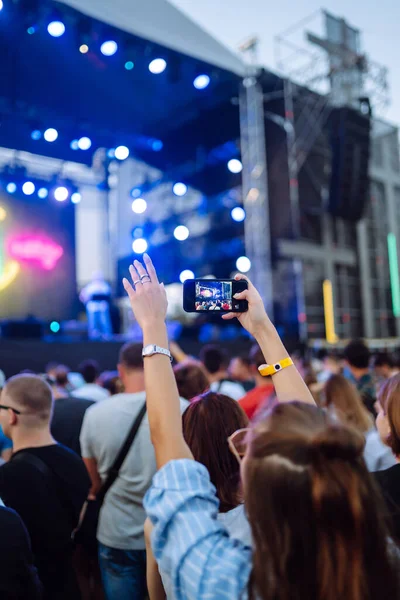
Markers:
{"x": 394, "y": 273}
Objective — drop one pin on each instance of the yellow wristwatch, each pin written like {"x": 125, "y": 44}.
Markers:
{"x": 268, "y": 370}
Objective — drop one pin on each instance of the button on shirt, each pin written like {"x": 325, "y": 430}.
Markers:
{"x": 189, "y": 542}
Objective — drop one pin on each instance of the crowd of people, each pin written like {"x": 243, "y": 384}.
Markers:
{"x": 213, "y": 478}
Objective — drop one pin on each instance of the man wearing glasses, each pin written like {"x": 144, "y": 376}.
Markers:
{"x": 44, "y": 482}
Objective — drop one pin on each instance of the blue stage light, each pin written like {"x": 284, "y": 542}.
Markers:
{"x": 243, "y": 264}
{"x": 36, "y": 134}
{"x": 43, "y": 193}
{"x": 201, "y": 82}
{"x": 84, "y": 143}
{"x": 157, "y": 145}
{"x": 139, "y": 206}
{"x": 121, "y": 153}
{"x": 181, "y": 233}
{"x": 61, "y": 193}
{"x": 51, "y": 134}
{"x": 157, "y": 66}
{"x": 139, "y": 246}
{"x": 56, "y": 28}
{"x": 76, "y": 198}
{"x": 28, "y": 188}
{"x": 129, "y": 65}
{"x": 55, "y": 326}
{"x": 235, "y": 166}
{"x": 109, "y": 48}
{"x": 238, "y": 214}
{"x": 74, "y": 145}
{"x": 31, "y": 30}
{"x": 179, "y": 189}
{"x": 11, "y": 188}
{"x": 185, "y": 275}
{"x": 136, "y": 193}
{"x": 111, "y": 153}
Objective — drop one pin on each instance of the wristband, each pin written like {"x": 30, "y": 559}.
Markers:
{"x": 268, "y": 370}
{"x": 152, "y": 349}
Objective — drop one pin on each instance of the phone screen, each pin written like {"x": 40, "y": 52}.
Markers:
{"x": 213, "y": 295}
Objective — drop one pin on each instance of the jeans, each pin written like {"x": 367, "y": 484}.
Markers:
{"x": 123, "y": 573}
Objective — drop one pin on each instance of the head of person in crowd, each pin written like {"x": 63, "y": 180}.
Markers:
{"x": 26, "y": 410}
{"x": 61, "y": 373}
{"x": 89, "y": 369}
{"x": 208, "y": 422}
{"x": 51, "y": 369}
{"x": 383, "y": 365}
{"x": 256, "y": 359}
{"x": 111, "y": 382}
{"x": 388, "y": 419}
{"x": 343, "y": 400}
{"x": 130, "y": 368}
{"x": 191, "y": 379}
{"x": 330, "y": 542}
{"x": 357, "y": 357}
{"x": 215, "y": 361}
{"x": 240, "y": 369}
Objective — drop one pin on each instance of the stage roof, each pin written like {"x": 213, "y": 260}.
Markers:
{"x": 161, "y": 22}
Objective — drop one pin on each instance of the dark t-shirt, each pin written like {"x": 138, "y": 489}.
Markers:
{"x": 18, "y": 576}
{"x": 50, "y": 509}
{"x": 67, "y": 420}
{"x": 389, "y": 482}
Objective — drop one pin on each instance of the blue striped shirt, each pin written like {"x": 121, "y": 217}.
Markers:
{"x": 188, "y": 541}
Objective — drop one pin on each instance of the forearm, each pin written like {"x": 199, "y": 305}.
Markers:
{"x": 177, "y": 352}
{"x": 288, "y": 383}
{"x": 163, "y": 406}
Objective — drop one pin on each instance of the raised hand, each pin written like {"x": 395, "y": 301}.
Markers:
{"x": 255, "y": 318}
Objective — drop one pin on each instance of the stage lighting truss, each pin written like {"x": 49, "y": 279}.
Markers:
{"x": 16, "y": 181}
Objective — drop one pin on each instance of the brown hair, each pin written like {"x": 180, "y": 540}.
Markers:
{"x": 131, "y": 357}
{"x": 316, "y": 519}
{"x": 31, "y": 395}
{"x": 343, "y": 396}
{"x": 191, "y": 379}
{"x": 389, "y": 398}
{"x": 207, "y": 423}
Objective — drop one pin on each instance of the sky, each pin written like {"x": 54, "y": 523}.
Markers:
{"x": 232, "y": 21}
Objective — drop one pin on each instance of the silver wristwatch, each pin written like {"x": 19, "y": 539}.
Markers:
{"x": 152, "y": 349}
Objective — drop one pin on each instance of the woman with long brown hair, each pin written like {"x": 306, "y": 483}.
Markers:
{"x": 343, "y": 400}
{"x": 313, "y": 510}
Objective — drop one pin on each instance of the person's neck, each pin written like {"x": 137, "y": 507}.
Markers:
{"x": 214, "y": 377}
{"x": 35, "y": 438}
{"x": 358, "y": 373}
{"x": 134, "y": 384}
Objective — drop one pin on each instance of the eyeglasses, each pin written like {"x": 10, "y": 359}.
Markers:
{"x": 17, "y": 412}
{"x": 238, "y": 443}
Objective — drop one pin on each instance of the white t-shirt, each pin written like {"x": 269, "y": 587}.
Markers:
{"x": 104, "y": 430}
{"x": 228, "y": 388}
{"x": 91, "y": 391}
{"x": 377, "y": 456}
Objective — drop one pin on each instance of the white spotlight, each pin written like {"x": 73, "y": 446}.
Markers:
{"x": 181, "y": 233}
{"x": 139, "y": 246}
{"x": 185, "y": 275}
{"x": 43, "y": 193}
{"x": 76, "y": 198}
{"x": 238, "y": 214}
{"x": 61, "y": 193}
{"x": 51, "y": 134}
{"x": 179, "y": 189}
{"x": 84, "y": 143}
{"x": 157, "y": 66}
{"x": 11, "y": 188}
{"x": 201, "y": 82}
{"x": 56, "y": 29}
{"x": 28, "y": 188}
{"x": 139, "y": 206}
{"x": 235, "y": 166}
{"x": 243, "y": 264}
{"x": 121, "y": 153}
{"x": 109, "y": 47}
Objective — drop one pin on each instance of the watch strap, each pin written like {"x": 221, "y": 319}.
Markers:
{"x": 268, "y": 370}
{"x": 153, "y": 349}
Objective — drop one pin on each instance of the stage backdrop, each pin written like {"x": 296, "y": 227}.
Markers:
{"x": 37, "y": 258}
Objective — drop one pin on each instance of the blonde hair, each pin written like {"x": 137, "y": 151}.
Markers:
{"x": 343, "y": 397}
{"x": 389, "y": 399}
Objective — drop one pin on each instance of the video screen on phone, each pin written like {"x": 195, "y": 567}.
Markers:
{"x": 213, "y": 295}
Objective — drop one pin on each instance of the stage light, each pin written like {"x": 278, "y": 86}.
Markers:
{"x": 238, "y": 214}
{"x": 181, "y": 233}
{"x": 121, "y": 153}
{"x": 157, "y": 66}
{"x": 76, "y": 198}
{"x": 1, "y": 4}
{"x": 139, "y": 246}
{"x": 74, "y": 145}
{"x": 43, "y": 193}
{"x": 394, "y": 273}
{"x": 235, "y": 166}
{"x": 51, "y": 134}
{"x": 157, "y": 145}
{"x": 11, "y": 188}
{"x": 3, "y": 214}
{"x": 84, "y": 49}
{"x": 109, "y": 48}
{"x": 84, "y": 143}
{"x": 185, "y": 275}
{"x": 139, "y": 206}
{"x": 56, "y": 28}
{"x": 55, "y": 326}
{"x": 129, "y": 65}
{"x": 137, "y": 232}
{"x": 329, "y": 312}
{"x": 111, "y": 153}
{"x": 201, "y": 82}
{"x": 31, "y": 30}
{"x": 36, "y": 134}
{"x": 243, "y": 264}
{"x": 136, "y": 193}
{"x": 28, "y": 188}
{"x": 179, "y": 189}
{"x": 61, "y": 193}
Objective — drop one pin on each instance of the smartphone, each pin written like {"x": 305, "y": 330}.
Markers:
{"x": 213, "y": 295}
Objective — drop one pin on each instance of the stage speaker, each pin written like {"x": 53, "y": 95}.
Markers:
{"x": 19, "y": 330}
{"x": 350, "y": 133}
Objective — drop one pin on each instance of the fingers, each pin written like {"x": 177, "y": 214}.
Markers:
{"x": 241, "y": 276}
{"x": 242, "y": 295}
{"x": 140, "y": 269}
{"x": 150, "y": 268}
{"x": 128, "y": 288}
{"x": 229, "y": 316}
{"x": 135, "y": 277}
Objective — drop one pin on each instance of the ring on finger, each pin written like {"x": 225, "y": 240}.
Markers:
{"x": 144, "y": 277}
{"x": 149, "y": 281}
